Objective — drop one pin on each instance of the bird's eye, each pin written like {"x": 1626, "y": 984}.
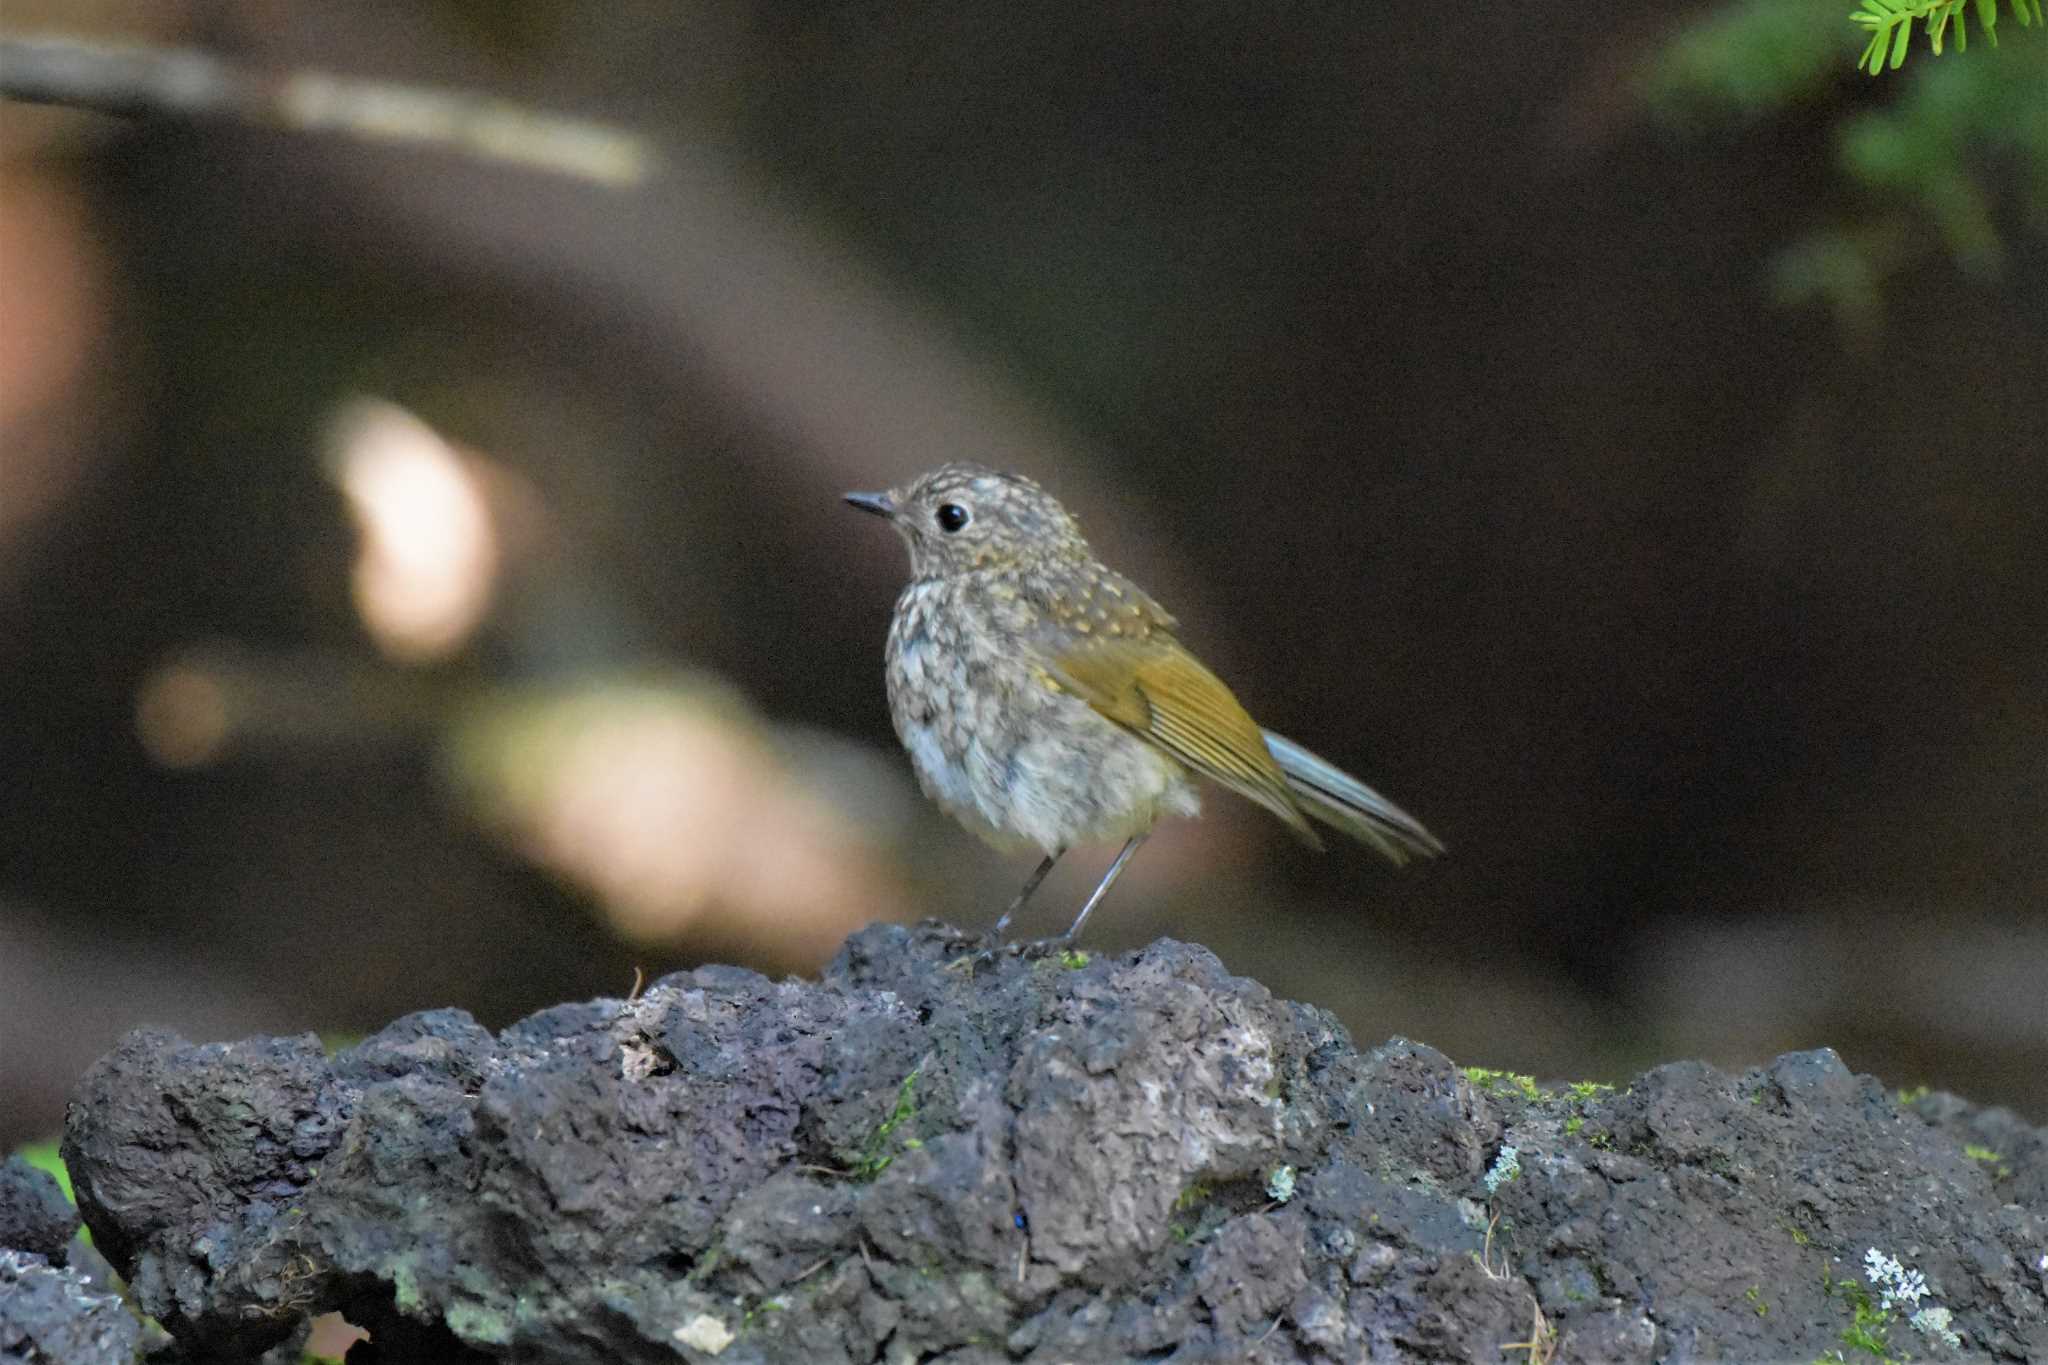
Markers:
{"x": 952, "y": 516}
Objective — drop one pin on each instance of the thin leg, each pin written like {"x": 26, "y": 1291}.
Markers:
{"x": 1030, "y": 885}
{"x": 1107, "y": 877}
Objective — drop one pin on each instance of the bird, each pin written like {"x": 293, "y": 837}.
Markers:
{"x": 1046, "y": 701}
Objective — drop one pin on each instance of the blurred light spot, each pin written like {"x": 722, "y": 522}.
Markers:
{"x": 181, "y": 716}
{"x": 331, "y": 1337}
{"x": 52, "y": 313}
{"x": 430, "y": 553}
{"x": 675, "y": 808}
{"x": 50, "y": 283}
{"x": 670, "y": 812}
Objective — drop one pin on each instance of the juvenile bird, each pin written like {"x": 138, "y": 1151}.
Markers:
{"x": 1046, "y": 702}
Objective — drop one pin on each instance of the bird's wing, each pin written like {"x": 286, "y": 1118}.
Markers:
{"x": 1145, "y": 681}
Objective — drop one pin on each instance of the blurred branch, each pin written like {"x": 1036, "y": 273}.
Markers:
{"x": 748, "y": 285}
{"x": 134, "y": 80}
{"x": 1890, "y": 23}
{"x": 1954, "y": 162}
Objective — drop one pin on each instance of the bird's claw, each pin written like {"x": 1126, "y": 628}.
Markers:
{"x": 1039, "y": 948}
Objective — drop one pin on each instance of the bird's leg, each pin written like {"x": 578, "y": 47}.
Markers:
{"x": 1102, "y": 888}
{"x": 1030, "y": 885}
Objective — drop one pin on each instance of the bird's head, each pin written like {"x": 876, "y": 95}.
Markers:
{"x": 960, "y": 518}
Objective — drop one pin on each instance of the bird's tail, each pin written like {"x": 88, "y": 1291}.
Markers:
{"x": 1342, "y": 802}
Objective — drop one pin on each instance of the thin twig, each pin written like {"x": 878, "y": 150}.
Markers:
{"x": 134, "y": 80}
{"x": 1486, "y": 1254}
{"x": 1542, "y": 1342}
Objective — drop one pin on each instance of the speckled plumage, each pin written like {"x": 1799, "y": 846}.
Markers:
{"x": 994, "y": 738}
{"x": 1045, "y": 700}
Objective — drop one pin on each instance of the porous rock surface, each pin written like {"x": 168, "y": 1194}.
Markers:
{"x": 51, "y": 1313}
{"x": 34, "y": 1214}
{"x": 924, "y": 1157}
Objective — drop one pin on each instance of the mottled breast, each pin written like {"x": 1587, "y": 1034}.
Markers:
{"x": 992, "y": 738}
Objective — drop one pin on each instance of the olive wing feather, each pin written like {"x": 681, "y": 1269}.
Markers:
{"x": 1152, "y": 686}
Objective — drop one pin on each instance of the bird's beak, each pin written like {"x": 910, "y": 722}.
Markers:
{"x": 881, "y": 504}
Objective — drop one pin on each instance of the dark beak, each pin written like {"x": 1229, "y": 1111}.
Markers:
{"x": 881, "y": 504}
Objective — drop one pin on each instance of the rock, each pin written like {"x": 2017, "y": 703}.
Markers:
{"x": 50, "y": 1315}
{"x": 34, "y": 1214}
{"x": 924, "y": 1155}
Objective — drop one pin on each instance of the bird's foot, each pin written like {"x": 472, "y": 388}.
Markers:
{"x": 983, "y": 950}
{"x": 990, "y": 946}
{"x": 1059, "y": 946}
{"x": 969, "y": 963}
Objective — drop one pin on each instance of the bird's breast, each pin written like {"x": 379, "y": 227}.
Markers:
{"x": 997, "y": 743}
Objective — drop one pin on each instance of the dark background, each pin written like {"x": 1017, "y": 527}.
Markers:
{"x": 1432, "y": 373}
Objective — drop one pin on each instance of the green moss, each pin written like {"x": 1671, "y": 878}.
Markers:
{"x": 1870, "y": 1333}
{"x": 1073, "y": 959}
{"x": 875, "y": 1158}
{"x": 1869, "y": 1329}
{"x": 1913, "y": 1096}
{"x": 1755, "y": 1295}
{"x": 1502, "y": 1082}
{"x": 1573, "y": 1124}
{"x": 1582, "y": 1091}
{"x": 473, "y": 1322}
{"x": 405, "y": 1289}
{"x": 707, "y": 1263}
{"x": 1191, "y": 1198}
{"x": 1990, "y": 1159}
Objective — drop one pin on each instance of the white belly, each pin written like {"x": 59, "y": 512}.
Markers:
{"x": 1015, "y": 760}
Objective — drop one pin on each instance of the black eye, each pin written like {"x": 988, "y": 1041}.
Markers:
{"x": 952, "y": 516}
